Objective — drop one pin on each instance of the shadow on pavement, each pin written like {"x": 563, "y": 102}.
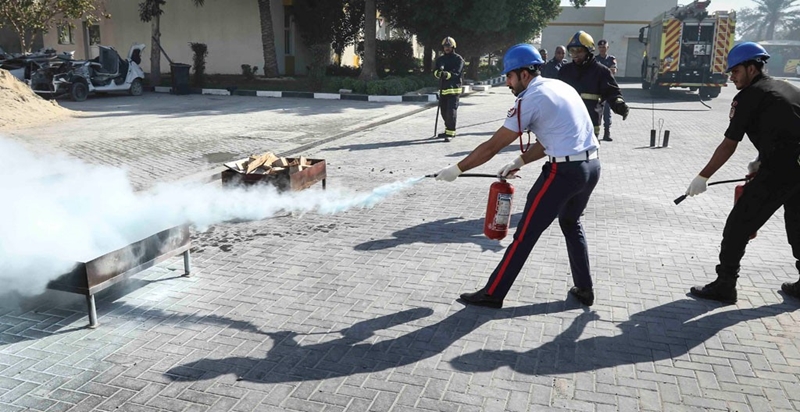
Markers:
{"x": 171, "y": 106}
{"x": 288, "y": 361}
{"x": 52, "y": 312}
{"x": 664, "y": 332}
{"x": 383, "y": 145}
{"x": 446, "y": 231}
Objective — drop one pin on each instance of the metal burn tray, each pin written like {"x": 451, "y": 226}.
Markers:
{"x": 283, "y": 180}
{"x": 89, "y": 278}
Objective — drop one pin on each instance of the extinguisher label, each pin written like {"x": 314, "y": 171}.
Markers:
{"x": 503, "y": 215}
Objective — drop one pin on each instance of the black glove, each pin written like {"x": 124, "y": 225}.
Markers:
{"x": 621, "y": 108}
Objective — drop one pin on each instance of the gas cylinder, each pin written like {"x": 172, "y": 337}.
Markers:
{"x": 498, "y": 210}
{"x": 737, "y": 193}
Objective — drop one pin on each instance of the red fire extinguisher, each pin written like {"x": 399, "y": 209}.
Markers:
{"x": 498, "y": 210}
{"x": 737, "y": 193}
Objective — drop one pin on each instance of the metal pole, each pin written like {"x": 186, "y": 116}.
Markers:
{"x": 652, "y": 137}
{"x": 187, "y": 264}
{"x": 92, "y": 311}
{"x": 665, "y": 143}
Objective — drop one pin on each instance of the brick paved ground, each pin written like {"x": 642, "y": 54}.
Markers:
{"x": 356, "y": 311}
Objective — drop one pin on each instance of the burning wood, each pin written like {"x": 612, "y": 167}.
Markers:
{"x": 285, "y": 173}
{"x": 269, "y": 164}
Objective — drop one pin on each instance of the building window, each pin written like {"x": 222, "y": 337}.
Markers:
{"x": 94, "y": 34}
{"x": 288, "y": 39}
{"x": 65, "y": 35}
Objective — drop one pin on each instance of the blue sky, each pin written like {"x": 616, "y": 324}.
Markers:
{"x": 715, "y": 4}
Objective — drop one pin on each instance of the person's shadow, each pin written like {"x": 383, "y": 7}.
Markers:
{"x": 352, "y": 353}
{"x": 448, "y": 230}
{"x": 663, "y": 332}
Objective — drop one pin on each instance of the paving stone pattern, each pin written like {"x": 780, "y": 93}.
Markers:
{"x": 356, "y": 311}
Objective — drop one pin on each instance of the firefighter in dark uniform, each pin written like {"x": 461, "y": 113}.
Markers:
{"x": 565, "y": 138}
{"x": 449, "y": 67}
{"x": 593, "y": 81}
{"x": 767, "y": 110}
{"x": 610, "y": 61}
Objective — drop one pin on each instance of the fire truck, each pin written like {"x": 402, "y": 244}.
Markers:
{"x": 687, "y": 46}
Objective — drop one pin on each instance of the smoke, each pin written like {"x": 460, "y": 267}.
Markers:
{"x": 57, "y": 211}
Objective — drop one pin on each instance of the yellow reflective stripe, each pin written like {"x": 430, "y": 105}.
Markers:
{"x": 589, "y": 96}
{"x": 597, "y": 130}
{"x": 450, "y": 132}
{"x": 451, "y": 91}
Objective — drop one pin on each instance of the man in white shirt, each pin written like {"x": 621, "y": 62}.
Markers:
{"x": 555, "y": 112}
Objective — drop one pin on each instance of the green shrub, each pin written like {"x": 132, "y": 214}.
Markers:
{"x": 334, "y": 84}
{"x": 348, "y": 83}
{"x": 376, "y": 87}
{"x": 396, "y": 87}
{"x": 199, "y": 59}
{"x": 249, "y": 72}
{"x": 348, "y": 71}
{"x": 359, "y": 87}
{"x": 392, "y": 57}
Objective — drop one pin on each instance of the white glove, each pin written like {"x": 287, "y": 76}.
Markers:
{"x": 513, "y": 166}
{"x": 448, "y": 174}
{"x": 699, "y": 185}
{"x": 753, "y": 166}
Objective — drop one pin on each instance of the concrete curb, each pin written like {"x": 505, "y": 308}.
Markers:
{"x": 423, "y": 98}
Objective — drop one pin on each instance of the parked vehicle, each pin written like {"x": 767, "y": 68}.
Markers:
{"x": 108, "y": 72}
{"x": 22, "y": 66}
{"x": 687, "y": 47}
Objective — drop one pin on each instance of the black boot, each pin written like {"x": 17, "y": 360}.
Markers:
{"x": 607, "y": 135}
{"x": 791, "y": 289}
{"x": 722, "y": 290}
{"x": 585, "y": 296}
{"x": 481, "y": 298}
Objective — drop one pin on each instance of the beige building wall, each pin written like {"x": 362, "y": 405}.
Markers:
{"x": 230, "y": 28}
{"x": 618, "y": 22}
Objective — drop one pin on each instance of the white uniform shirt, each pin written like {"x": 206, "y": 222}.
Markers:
{"x": 555, "y": 113}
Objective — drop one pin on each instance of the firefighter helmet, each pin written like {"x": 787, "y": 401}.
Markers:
{"x": 519, "y": 56}
{"x": 449, "y": 41}
{"x": 582, "y": 39}
{"x": 744, "y": 52}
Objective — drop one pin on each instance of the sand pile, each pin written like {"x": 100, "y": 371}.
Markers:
{"x": 20, "y": 106}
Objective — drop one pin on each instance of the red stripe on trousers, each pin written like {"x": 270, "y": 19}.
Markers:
{"x": 524, "y": 227}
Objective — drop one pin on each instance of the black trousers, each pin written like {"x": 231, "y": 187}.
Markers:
{"x": 761, "y": 198}
{"x": 562, "y": 191}
{"x": 448, "y": 106}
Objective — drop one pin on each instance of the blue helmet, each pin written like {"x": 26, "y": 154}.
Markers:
{"x": 519, "y": 56}
{"x": 744, "y": 52}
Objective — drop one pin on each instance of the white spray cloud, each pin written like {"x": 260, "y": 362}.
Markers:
{"x": 57, "y": 211}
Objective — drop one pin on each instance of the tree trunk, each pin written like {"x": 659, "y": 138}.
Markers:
{"x": 427, "y": 59}
{"x": 268, "y": 39}
{"x": 155, "y": 52}
{"x": 370, "y": 44}
{"x": 472, "y": 70}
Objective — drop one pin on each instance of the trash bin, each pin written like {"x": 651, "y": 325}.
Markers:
{"x": 180, "y": 78}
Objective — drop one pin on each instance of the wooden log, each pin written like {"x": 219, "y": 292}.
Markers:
{"x": 282, "y": 162}
{"x": 256, "y": 161}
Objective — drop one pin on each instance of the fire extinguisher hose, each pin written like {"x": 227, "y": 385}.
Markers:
{"x": 479, "y": 175}
{"x": 683, "y": 197}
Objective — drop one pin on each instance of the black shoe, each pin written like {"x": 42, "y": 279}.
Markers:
{"x": 791, "y": 289}
{"x": 720, "y": 290}
{"x": 607, "y": 136}
{"x": 585, "y": 296}
{"x": 480, "y": 298}
{"x": 442, "y": 136}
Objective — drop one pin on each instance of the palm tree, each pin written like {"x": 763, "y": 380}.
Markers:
{"x": 368, "y": 70}
{"x": 151, "y": 11}
{"x": 767, "y": 18}
{"x": 268, "y": 39}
